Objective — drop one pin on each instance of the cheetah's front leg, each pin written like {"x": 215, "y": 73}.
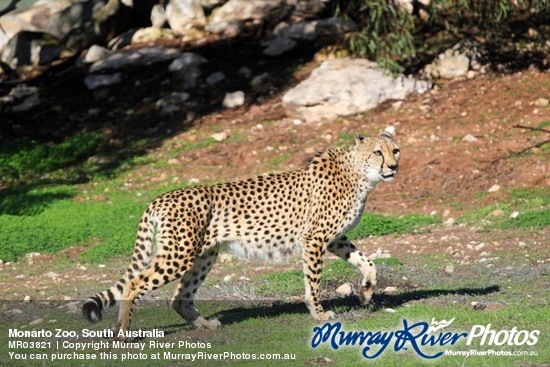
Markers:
{"x": 344, "y": 249}
{"x": 312, "y": 255}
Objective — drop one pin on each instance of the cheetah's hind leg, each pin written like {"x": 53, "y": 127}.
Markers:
{"x": 183, "y": 300}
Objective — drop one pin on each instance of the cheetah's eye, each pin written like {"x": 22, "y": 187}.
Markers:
{"x": 378, "y": 153}
{"x": 395, "y": 151}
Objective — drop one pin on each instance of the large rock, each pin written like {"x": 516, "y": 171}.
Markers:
{"x": 312, "y": 29}
{"x": 31, "y": 48}
{"x": 182, "y": 15}
{"x": 10, "y": 26}
{"x": 229, "y": 18}
{"x": 125, "y": 58}
{"x": 466, "y": 56}
{"x": 343, "y": 87}
{"x": 186, "y": 69}
{"x": 89, "y": 22}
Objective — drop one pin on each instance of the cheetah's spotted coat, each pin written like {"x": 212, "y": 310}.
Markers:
{"x": 271, "y": 216}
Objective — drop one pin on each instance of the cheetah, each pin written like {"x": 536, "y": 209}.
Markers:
{"x": 270, "y": 216}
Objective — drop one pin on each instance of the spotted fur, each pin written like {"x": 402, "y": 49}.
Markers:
{"x": 272, "y": 216}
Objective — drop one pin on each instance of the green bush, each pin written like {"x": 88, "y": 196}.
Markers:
{"x": 390, "y": 35}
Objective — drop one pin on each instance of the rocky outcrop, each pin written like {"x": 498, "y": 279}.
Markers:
{"x": 343, "y": 87}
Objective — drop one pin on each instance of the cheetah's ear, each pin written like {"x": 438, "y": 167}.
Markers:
{"x": 386, "y": 135}
{"x": 359, "y": 138}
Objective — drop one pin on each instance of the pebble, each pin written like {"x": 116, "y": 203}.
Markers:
{"x": 390, "y": 310}
{"x": 226, "y": 258}
{"x": 244, "y": 72}
{"x": 215, "y": 78}
{"x": 479, "y": 247}
{"x": 36, "y": 322}
{"x": 15, "y": 311}
{"x": 449, "y": 269}
{"x": 494, "y": 188}
{"x": 450, "y": 222}
{"x": 514, "y": 214}
{"x": 344, "y": 290}
{"x": 541, "y": 102}
{"x": 27, "y": 299}
{"x": 390, "y": 290}
{"x": 234, "y": 99}
{"x": 228, "y": 278}
{"x": 220, "y": 136}
{"x": 297, "y": 122}
{"x": 469, "y": 138}
{"x": 522, "y": 244}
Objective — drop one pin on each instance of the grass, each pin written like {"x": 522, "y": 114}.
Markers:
{"x": 533, "y": 205}
{"x": 378, "y": 225}
{"x": 30, "y": 159}
{"x": 256, "y": 328}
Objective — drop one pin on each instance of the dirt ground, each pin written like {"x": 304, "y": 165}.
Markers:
{"x": 457, "y": 141}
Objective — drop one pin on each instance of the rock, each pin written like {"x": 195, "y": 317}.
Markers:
{"x": 27, "y": 104}
{"x": 260, "y": 81}
{"x": 234, "y": 99}
{"x": 182, "y": 15}
{"x": 541, "y": 102}
{"x": 344, "y": 290}
{"x": 151, "y": 34}
{"x": 220, "y": 136}
{"x": 226, "y": 28}
{"x": 469, "y": 138}
{"x": 187, "y": 68}
{"x": 125, "y": 58}
{"x": 96, "y": 53}
{"x": 172, "y": 102}
{"x": 226, "y": 258}
{"x": 228, "y": 278}
{"x": 27, "y": 299}
{"x": 100, "y": 80}
{"x": 31, "y": 48}
{"x": 297, "y": 122}
{"x": 449, "y": 222}
{"x": 244, "y": 10}
{"x": 390, "y": 310}
{"x": 215, "y": 78}
{"x": 158, "y": 16}
{"x": 390, "y": 290}
{"x": 453, "y": 67}
{"x": 279, "y": 46}
{"x": 514, "y": 214}
{"x": 15, "y": 311}
{"x": 36, "y": 322}
{"x": 87, "y": 22}
{"x": 244, "y": 72}
{"x": 449, "y": 269}
{"x": 343, "y": 87}
{"x": 314, "y": 29}
{"x": 10, "y": 25}
{"x": 479, "y": 247}
{"x": 494, "y": 188}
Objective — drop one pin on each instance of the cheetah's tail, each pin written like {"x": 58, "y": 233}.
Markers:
{"x": 93, "y": 306}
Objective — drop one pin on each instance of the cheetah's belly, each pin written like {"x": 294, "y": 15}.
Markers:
{"x": 265, "y": 249}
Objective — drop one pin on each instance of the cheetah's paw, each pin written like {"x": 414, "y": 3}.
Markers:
{"x": 202, "y": 323}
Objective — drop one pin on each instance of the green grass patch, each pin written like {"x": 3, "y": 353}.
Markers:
{"x": 50, "y": 220}
{"x": 532, "y": 203}
{"x": 32, "y": 159}
{"x": 379, "y": 225}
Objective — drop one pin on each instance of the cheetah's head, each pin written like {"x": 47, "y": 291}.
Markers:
{"x": 378, "y": 157}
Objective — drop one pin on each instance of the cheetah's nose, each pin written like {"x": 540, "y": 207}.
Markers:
{"x": 393, "y": 167}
